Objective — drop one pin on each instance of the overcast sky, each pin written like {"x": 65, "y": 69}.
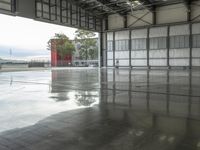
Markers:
{"x": 21, "y": 34}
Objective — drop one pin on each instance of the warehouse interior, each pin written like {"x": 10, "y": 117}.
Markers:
{"x": 146, "y": 93}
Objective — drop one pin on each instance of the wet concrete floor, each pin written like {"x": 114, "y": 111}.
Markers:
{"x": 93, "y": 109}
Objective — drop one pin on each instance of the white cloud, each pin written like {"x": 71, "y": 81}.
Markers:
{"x": 22, "y": 33}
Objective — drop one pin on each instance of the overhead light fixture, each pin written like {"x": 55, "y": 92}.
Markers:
{"x": 137, "y": 2}
{"x": 133, "y": 3}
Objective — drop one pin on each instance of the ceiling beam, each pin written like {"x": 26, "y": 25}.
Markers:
{"x": 147, "y": 4}
{"x": 187, "y": 4}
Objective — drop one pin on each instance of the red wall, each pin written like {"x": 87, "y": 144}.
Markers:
{"x": 55, "y": 58}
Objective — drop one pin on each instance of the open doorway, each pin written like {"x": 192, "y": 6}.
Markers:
{"x": 27, "y": 44}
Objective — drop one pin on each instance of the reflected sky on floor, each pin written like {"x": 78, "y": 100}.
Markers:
{"x": 27, "y": 97}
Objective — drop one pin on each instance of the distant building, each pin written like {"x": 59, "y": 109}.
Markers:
{"x": 70, "y": 59}
{"x": 56, "y": 58}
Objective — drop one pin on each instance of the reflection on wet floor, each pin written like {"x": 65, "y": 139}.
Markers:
{"x": 128, "y": 109}
{"x": 28, "y": 97}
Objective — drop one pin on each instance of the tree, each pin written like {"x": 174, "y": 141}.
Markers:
{"x": 63, "y": 45}
{"x": 88, "y": 44}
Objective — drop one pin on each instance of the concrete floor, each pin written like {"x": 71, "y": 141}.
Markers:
{"x": 91, "y": 109}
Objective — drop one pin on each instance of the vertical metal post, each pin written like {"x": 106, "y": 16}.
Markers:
{"x": 168, "y": 45}
{"x": 42, "y": 9}
{"x": 114, "y": 49}
{"x": 101, "y": 49}
{"x": 49, "y": 9}
{"x": 13, "y": 6}
{"x": 125, "y": 21}
{"x": 106, "y": 23}
{"x": 190, "y": 45}
{"x": 56, "y": 9}
{"x": 188, "y": 5}
{"x": 154, "y": 17}
{"x": 148, "y": 48}
{"x": 36, "y": 9}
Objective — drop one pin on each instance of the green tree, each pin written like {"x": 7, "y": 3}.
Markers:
{"x": 88, "y": 44}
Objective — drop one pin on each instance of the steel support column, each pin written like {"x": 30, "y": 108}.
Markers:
{"x": 125, "y": 21}
{"x": 13, "y": 6}
{"x": 148, "y": 47}
{"x": 168, "y": 45}
{"x": 190, "y": 45}
{"x": 106, "y": 23}
{"x": 49, "y": 9}
{"x": 101, "y": 49}
{"x": 154, "y": 17}
{"x": 188, "y": 7}
{"x": 113, "y": 49}
{"x": 189, "y": 14}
